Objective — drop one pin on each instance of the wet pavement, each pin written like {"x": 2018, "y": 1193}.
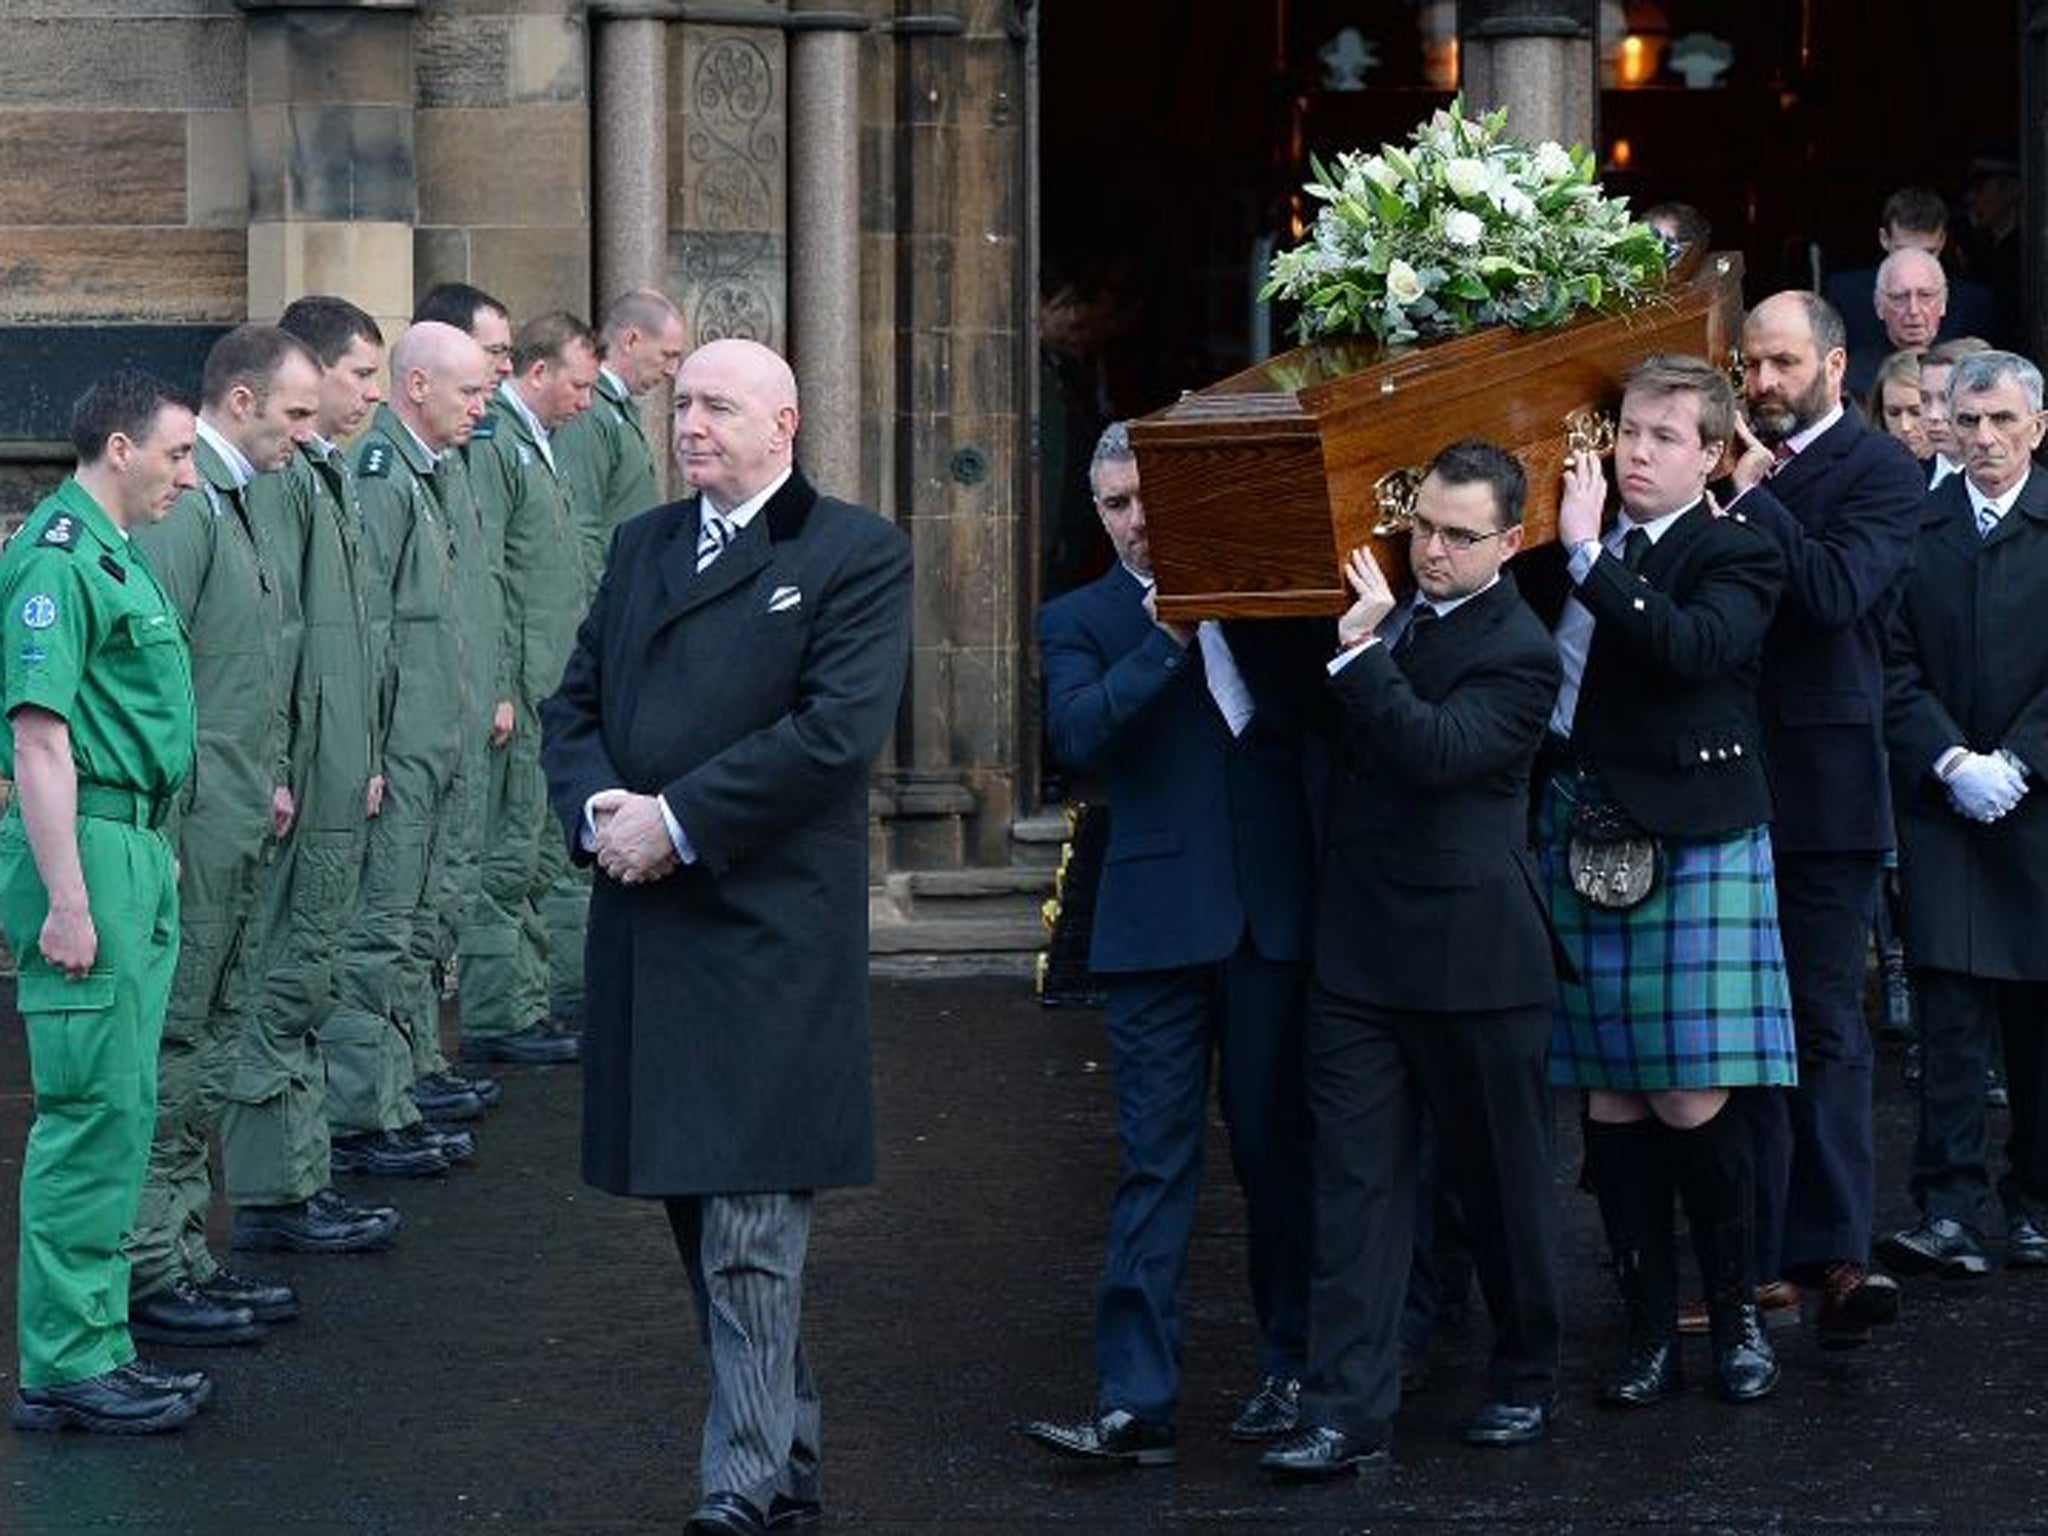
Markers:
{"x": 524, "y": 1360}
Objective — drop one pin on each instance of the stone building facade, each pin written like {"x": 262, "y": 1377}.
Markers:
{"x": 847, "y": 183}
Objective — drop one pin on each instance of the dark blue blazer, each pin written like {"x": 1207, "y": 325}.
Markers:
{"x": 1845, "y": 512}
{"x": 1209, "y": 835}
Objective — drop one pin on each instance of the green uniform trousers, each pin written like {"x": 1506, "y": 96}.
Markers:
{"x": 566, "y": 908}
{"x": 386, "y": 962}
{"x": 461, "y": 884}
{"x": 274, "y": 1136}
{"x": 92, "y": 1047}
{"x": 221, "y": 934}
{"x": 505, "y": 939}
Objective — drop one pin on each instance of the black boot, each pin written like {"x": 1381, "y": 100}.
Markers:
{"x": 1717, "y": 1179}
{"x": 1626, "y": 1169}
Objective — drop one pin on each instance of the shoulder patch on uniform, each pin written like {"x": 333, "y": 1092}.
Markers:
{"x": 484, "y": 430}
{"x": 62, "y": 532}
{"x": 113, "y": 568}
{"x": 39, "y": 611}
{"x": 375, "y": 462}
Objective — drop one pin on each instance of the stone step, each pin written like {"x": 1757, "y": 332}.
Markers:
{"x": 956, "y": 935}
{"x": 1036, "y": 839}
{"x": 917, "y": 891}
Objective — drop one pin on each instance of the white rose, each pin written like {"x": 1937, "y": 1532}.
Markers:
{"x": 1515, "y": 203}
{"x": 1467, "y": 177}
{"x": 1462, "y": 228}
{"x": 1553, "y": 161}
{"x": 1403, "y": 286}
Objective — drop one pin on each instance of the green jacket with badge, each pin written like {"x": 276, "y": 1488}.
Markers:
{"x": 216, "y": 562}
{"x": 410, "y": 599}
{"x": 91, "y": 636}
{"x": 315, "y": 516}
{"x": 526, "y": 506}
{"x": 606, "y": 459}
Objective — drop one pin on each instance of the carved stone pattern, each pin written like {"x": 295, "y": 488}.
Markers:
{"x": 733, "y": 307}
{"x": 734, "y": 145}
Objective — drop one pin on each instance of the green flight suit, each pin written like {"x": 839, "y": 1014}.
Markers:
{"x": 605, "y": 457}
{"x": 480, "y": 608}
{"x": 417, "y": 650}
{"x": 526, "y": 507}
{"x": 274, "y": 1137}
{"x": 217, "y": 564}
{"x": 90, "y": 636}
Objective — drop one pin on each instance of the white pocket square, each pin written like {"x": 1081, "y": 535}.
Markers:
{"x": 782, "y": 599}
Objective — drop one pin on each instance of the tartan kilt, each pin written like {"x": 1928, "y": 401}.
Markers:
{"x": 1685, "y": 990}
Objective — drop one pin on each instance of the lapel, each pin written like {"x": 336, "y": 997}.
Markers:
{"x": 629, "y": 412}
{"x": 684, "y": 590}
{"x": 2032, "y": 505}
{"x": 1450, "y": 642}
{"x": 1818, "y": 458}
{"x": 513, "y": 420}
{"x": 1668, "y": 553}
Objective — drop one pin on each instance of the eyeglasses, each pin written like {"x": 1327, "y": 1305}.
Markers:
{"x": 1456, "y": 540}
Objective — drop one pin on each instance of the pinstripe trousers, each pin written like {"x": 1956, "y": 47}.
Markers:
{"x": 744, "y": 1255}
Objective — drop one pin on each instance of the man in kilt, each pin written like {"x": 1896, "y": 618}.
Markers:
{"x": 1654, "y": 836}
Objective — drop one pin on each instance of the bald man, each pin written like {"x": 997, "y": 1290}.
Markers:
{"x": 440, "y": 381}
{"x": 708, "y": 751}
{"x": 1911, "y": 298}
{"x": 1845, "y": 515}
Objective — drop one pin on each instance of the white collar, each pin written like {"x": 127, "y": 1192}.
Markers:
{"x": 618, "y": 383}
{"x": 1799, "y": 442}
{"x": 240, "y": 470}
{"x": 1450, "y": 605}
{"x": 540, "y": 433}
{"x": 743, "y": 514}
{"x": 1980, "y": 503}
{"x": 1656, "y": 528}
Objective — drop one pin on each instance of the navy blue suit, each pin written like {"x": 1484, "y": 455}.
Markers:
{"x": 1845, "y": 511}
{"x": 1201, "y": 935}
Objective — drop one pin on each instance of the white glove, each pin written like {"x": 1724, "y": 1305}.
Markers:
{"x": 1984, "y": 787}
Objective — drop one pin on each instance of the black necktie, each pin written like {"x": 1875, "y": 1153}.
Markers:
{"x": 1635, "y": 546}
{"x": 1418, "y": 621}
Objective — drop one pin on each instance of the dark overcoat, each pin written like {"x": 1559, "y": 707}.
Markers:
{"x": 725, "y": 1045}
{"x": 1845, "y": 512}
{"x": 1969, "y": 667}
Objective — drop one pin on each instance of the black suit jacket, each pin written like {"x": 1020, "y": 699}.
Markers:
{"x": 1210, "y": 835}
{"x": 1667, "y": 706}
{"x": 1844, "y": 513}
{"x": 1969, "y": 667}
{"x": 1430, "y": 898}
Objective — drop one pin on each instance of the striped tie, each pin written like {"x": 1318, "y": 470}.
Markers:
{"x": 1987, "y": 522}
{"x": 712, "y": 538}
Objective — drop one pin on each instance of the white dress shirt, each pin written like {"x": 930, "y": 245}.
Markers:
{"x": 540, "y": 433}
{"x": 1574, "y": 630}
{"x": 1227, "y": 686}
{"x": 1391, "y": 631}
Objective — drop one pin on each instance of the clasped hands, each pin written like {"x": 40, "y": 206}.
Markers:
{"x": 631, "y": 842}
{"x": 1985, "y": 785}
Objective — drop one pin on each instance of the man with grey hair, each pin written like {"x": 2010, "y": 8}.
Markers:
{"x": 1201, "y": 934}
{"x": 1911, "y": 297}
{"x": 1967, "y": 724}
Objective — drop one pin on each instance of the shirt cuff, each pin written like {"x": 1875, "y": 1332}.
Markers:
{"x": 684, "y": 852}
{"x": 1946, "y": 764}
{"x": 1349, "y": 654}
{"x": 1584, "y": 553}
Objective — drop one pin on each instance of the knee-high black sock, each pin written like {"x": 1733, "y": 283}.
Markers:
{"x": 1716, "y": 1174}
{"x": 1630, "y": 1175}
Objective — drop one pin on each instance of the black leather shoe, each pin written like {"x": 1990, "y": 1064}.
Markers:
{"x": 1649, "y": 1373}
{"x": 534, "y": 1046}
{"x": 1510, "y": 1423}
{"x": 1114, "y": 1436}
{"x": 386, "y": 1155}
{"x": 439, "y": 1098}
{"x": 312, "y": 1226}
{"x": 186, "y": 1316}
{"x": 2026, "y": 1245}
{"x": 1270, "y": 1412}
{"x": 1853, "y": 1301}
{"x": 489, "y": 1089}
{"x": 1937, "y": 1246}
{"x": 1995, "y": 1092}
{"x": 196, "y": 1385}
{"x": 726, "y": 1514}
{"x": 115, "y": 1402}
{"x": 270, "y": 1301}
{"x": 786, "y": 1513}
{"x": 1322, "y": 1452}
{"x": 332, "y": 1204}
{"x": 453, "y": 1145}
{"x": 1745, "y": 1365}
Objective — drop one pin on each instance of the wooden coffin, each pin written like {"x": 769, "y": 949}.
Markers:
{"x": 1257, "y": 487}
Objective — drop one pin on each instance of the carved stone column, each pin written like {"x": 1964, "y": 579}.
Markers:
{"x": 824, "y": 238}
{"x": 332, "y": 189}
{"x": 1537, "y": 58}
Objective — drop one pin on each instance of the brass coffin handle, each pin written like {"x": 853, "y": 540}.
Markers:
{"x": 1588, "y": 430}
{"x": 1394, "y": 494}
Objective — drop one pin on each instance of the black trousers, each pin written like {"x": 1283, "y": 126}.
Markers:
{"x": 1371, "y": 1072}
{"x": 1960, "y": 1017}
{"x": 1815, "y": 1166}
